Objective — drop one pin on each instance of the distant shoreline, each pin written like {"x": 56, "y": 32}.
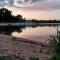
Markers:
{"x": 27, "y": 24}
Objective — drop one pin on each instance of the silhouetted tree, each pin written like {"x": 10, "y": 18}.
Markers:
{"x": 20, "y": 18}
{"x": 6, "y": 16}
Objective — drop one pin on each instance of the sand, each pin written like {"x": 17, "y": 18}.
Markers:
{"x": 22, "y": 48}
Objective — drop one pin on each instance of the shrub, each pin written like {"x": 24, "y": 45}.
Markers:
{"x": 54, "y": 43}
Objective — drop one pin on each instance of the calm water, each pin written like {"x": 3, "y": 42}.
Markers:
{"x": 40, "y": 33}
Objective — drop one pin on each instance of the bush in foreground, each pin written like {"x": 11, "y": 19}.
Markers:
{"x": 5, "y": 58}
{"x": 54, "y": 43}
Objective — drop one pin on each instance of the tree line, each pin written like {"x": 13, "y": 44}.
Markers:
{"x": 6, "y": 16}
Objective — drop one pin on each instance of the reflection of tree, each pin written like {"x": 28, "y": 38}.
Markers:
{"x": 8, "y": 30}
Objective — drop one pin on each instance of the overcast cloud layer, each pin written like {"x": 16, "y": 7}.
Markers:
{"x": 32, "y": 4}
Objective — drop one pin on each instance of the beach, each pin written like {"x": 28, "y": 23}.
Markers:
{"x": 22, "y": 48}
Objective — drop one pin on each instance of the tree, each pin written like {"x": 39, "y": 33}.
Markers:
{"x": 5, "y": 15}
{"x": 19, "y": 18}
{"x": 5, "y": 12}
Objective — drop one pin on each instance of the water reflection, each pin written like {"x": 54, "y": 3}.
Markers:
{"x": 8, "y": 30}
{"x": 35, "y": 32}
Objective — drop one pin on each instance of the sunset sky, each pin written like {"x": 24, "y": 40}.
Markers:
{"x": 38, "y": 9}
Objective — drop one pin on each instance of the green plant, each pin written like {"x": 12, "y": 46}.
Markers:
{"x": 33, "y": 58}
{"x": 54, "y": 43}
{"x": 55, "y": 57}
{"x": 13, "y": 38}
{"x": 5, "y": 58}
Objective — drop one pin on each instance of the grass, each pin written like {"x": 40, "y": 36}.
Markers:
{"x": 5, "y": 58}
{"x": 33, "y": 58}
{"x": 54, "y": 43}
{"x": 55, "y": 57}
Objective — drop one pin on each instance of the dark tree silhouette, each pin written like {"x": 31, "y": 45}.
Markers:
{"x": 20, "y": 18}
{"x": 6, "y": 16}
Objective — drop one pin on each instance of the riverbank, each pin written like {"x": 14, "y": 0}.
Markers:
{"x": 22, "y": 48}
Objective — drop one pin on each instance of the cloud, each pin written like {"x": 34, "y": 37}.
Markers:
{"x": 2, "y": 3}
{"x": 38, "y": 4}
{"x": 1, "y": 0}
{"x": 32, "y": 4}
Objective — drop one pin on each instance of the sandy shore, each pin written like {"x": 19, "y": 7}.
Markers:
{"x": 23, "y": 48}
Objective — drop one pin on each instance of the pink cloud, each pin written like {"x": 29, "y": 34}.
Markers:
{"x": 44, "y": 5}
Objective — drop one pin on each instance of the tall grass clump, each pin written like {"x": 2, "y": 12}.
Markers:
{"x": 54, "y": 43}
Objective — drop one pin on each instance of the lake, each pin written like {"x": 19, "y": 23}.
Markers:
{"x": 39, "y": 33}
